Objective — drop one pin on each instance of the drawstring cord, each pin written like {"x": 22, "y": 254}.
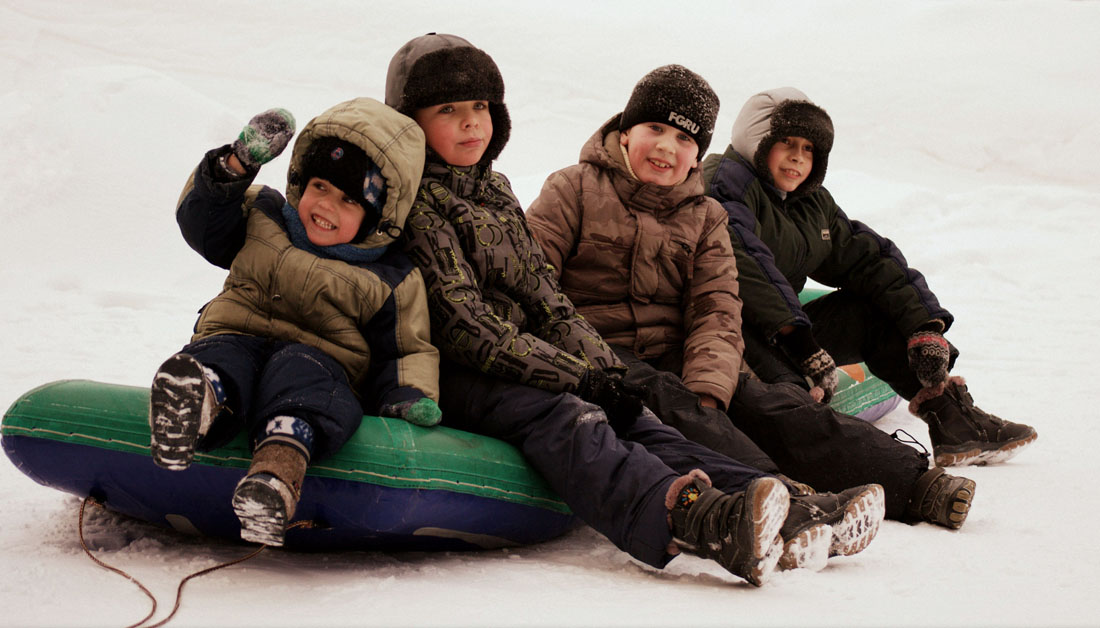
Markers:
{"x": 183, "y": 582}
{"x": 911, "y": 441}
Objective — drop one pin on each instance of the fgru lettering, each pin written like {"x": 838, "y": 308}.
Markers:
{"x": 682, "y": 122}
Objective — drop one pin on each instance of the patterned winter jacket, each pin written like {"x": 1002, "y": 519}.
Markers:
{"x": 649, "y": 266}
{"x": 780, "y": 243}
{"x": 495, "y": 304}
{"x": 371, "y": 316}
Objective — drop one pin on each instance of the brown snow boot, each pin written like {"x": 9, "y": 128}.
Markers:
{"x": 822, "y": 525}
{"x": 266, "y": 498}
{"x": 738, "y": 531}
{"x": 941, "y": 498}
{"x": 964, "y": 434}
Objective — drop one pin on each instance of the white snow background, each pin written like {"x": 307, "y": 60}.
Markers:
{"x": 965, "y": 131}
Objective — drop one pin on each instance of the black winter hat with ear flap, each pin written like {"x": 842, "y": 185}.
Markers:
{"x": 348, "y": 167}
{"x": 439, "y": 68}
{"x": 678, "y": 97}
{"x": 798, "y": 118}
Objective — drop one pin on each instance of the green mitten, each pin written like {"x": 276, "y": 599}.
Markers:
{"x": 423, "y": 412}
{"x": 265, "y": 136}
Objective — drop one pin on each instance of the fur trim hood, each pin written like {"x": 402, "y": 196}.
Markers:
{"x": 774, "y": 114}
{"x": 393, "y": 141}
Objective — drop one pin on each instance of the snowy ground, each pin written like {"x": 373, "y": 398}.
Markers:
{"x": 966, "y": 131}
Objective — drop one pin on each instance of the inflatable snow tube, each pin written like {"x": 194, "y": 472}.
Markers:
{"x": 394, "y": 486}
{"x": 858, "y": 393}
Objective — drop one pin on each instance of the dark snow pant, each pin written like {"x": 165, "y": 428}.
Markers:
{"x": 615, "y": 482}
{"x": 265, "y": 378}
{"x": 807, "y": 441}
{"x": 852, "y": 330}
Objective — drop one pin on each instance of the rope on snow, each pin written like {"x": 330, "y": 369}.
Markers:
{"x": 179, "y": 589}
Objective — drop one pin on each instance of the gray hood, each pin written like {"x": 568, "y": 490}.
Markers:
{"x": 774, "y": 114}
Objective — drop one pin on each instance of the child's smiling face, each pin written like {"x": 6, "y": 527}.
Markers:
{"x": 329, "y": 216}
{"x": 790, "y": 161}
{"x": 659, "y": 153}
{"x": 458, "y": 131}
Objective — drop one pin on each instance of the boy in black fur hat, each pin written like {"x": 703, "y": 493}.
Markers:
{"x": 786, "y": 228}
{"x": 519, "y": 364}
{"x": 319, "y": 318}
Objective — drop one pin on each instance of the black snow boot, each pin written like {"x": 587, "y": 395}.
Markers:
{"x": 738, "y": 531}
{"x": 822, "y": 525}
{"x": 266, "y": 498}
{"x": 963, "y": 434}
{"x": 183, "y": 401}
{"x": 941, "y": 498}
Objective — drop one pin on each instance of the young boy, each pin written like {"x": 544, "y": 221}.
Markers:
{"x": 647, "y": 259}
{"x": 520, "y": 365}
{"x": 769, "y": 181}
{"x": 319, "y": 318}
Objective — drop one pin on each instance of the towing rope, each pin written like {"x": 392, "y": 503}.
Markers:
{"x": 179, "y": 589}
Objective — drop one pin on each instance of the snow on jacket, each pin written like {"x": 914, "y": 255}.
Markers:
{"x": 651, "y": 267}
{"x": 495, "y": 304}
{"x": 780, "y": 242}
{"x": 372, "y": 317}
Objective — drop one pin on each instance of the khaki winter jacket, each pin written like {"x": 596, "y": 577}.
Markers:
{"x": 371, "y": 316}
{"x": 650, "y": 267}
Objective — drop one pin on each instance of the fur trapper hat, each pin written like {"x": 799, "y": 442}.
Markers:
{"x": 439, "y": 68}
{"x": 678, "y": 97}
{"x": 785, "y": 112}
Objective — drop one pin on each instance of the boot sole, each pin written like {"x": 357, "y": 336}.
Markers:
{"x": 261, "y": 510}
{"x": 809, "y": 549}
{"x": 769, "y": 502}
{"x": 175, "y": 411}
{"x": 960, "y": 504}
{"x": 860, "y": 523}
{"x": 975, "y": 455}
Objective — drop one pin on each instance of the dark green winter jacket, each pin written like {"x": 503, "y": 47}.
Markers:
{"x": 779, "y": 243}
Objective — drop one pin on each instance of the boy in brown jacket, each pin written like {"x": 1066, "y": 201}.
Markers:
{"x": 646, "y": 258}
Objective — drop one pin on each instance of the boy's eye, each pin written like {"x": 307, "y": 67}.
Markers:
{"x": 656, "y": 128}
{"x": 481, "y": 105}
{"x": 683, "y": 137}
{"x": 446, "y": 109}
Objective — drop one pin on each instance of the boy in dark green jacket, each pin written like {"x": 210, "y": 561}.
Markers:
{"x": 786, "y": 228}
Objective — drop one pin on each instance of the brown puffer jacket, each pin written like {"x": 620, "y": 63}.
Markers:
{"x": 650, "y": 267}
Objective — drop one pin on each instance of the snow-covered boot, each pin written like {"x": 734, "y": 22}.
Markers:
{"x": 183, "y": 401}
{"x": 941, "y": 498}
{"x": 267, "y": 496}
{"x": 738, "y": 531}
{"x": 963, "y": 434}
{"x": 822, "y": 525}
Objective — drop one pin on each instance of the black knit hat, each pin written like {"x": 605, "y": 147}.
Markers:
{"x": 799, "y": 118}
{"x": 676, "y": 96}
{"x": 438, "y": 68}
{"x": 347, "y": 166}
